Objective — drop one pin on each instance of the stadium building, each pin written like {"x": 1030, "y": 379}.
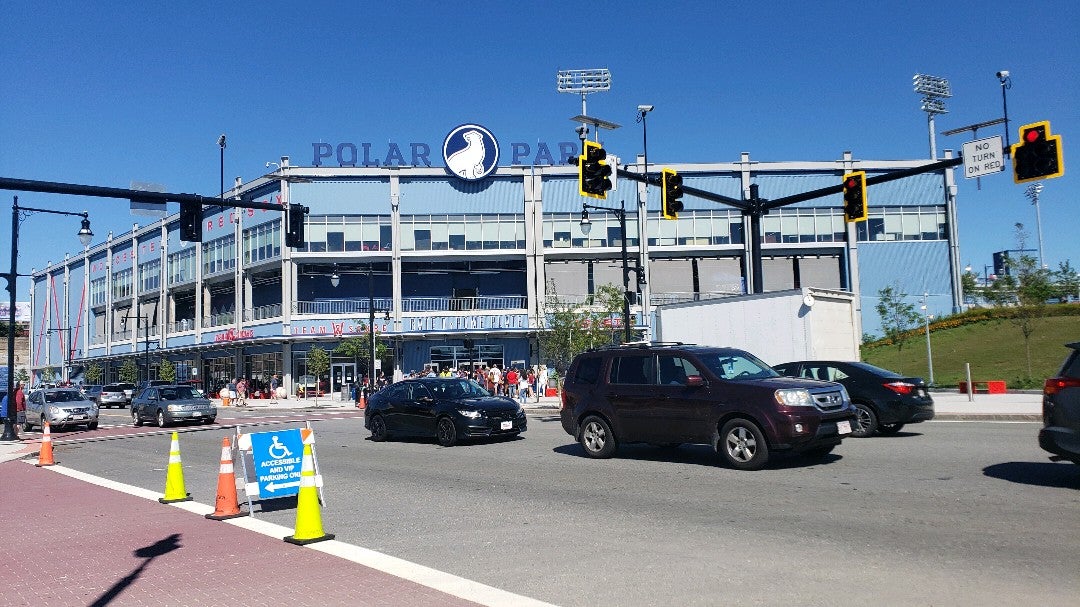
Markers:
{"x": 463, "y": 249}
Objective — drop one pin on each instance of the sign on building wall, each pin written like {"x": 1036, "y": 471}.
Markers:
{"x": 22, "y": 311}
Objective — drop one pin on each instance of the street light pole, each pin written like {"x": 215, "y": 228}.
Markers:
{"x": 1032, "y": 192}
{"x": 926, "y": 324}
{"x": 146, "y": 340}
{"x": 85, "y": 236}
{"x": 586, "y": 227}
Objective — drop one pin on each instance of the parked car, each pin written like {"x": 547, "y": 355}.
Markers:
{"x": 449, "y": 409}
{"x": 886, "y": 401}
{"x": 153, "y": 382}
{"x": 1060, "y": 434}
{"x": 170, "y": 404}
{"x": 61, "y": 407}
{"x": 669, "y": 394}
{"x": 91, "y": 392}
{"x": 114, "y": 394}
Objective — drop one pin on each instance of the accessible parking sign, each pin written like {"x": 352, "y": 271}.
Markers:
{"x": 278, "y": 457}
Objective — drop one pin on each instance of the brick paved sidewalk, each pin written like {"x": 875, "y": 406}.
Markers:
{"x": 69, "y": 542}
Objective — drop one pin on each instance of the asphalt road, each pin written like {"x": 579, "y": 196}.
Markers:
{"x": 967, "y": 513}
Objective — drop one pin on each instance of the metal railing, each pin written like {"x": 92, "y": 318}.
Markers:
{"x": 262, "y": 312}
{"x": 219, "y": 319}
{"x": 182, "y": 325}
{"x": 342, "y": 306}
{"x": 463, "y": 304}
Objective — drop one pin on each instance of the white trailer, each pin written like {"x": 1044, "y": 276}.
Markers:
{"x": 777, "y": 327}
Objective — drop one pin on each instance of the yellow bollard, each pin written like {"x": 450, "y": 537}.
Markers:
{"x": 174, "y": 477}
{"x": 309, "y": 527}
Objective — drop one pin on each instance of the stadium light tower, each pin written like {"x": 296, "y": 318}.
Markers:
{"x": 583, "y": 82}
{"x": 934, "y": 91}
{"x": 1032, "y": 192}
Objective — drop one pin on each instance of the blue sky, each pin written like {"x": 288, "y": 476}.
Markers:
{"x": 109, "y": 93}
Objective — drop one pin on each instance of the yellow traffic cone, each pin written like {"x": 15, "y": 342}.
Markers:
{"x": 174, "y": 477}
{"x": 309, "y": 527}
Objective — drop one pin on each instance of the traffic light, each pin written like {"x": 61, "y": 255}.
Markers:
{"x": 594, "y": 175}
{"x": 855, "y": 196}
{"x": 294, "y": 236}
{"x": 671, "y": 192}
{"x": 1038, "y": 154}
{"x": 191, "y": 221}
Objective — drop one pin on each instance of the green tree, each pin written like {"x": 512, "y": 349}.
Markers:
{"x": 23, "y": 376}
{"x": 570, "y": 329}
{"x": 318, "y": 362}
{"x": 359, "y": 346}
{"x": 48, "y": 375}
{"x": 129, "y": 371}
{"x": 167, "y": 371}
{"x": 1066, "y": 281}
{"x": 969, "y": 286}
{"x": 898, "y": 316}
{"x": 93, "y": 373}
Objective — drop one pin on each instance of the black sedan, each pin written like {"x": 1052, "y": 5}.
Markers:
{"x": 445, "y": 408}
{"x": 885, "y": 401}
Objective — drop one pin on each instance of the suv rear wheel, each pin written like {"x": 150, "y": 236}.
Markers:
{"x": 596, "y": 437}
{"x": 743, "y": 446}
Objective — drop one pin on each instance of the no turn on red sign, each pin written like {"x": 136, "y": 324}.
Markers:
{"x": 983, "y": 157}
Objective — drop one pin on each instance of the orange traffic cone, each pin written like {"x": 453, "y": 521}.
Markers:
{"x": 45, "y": 455}
{"x": 309, "y": 527}
{"x": 362, "y": 403}
{"x": 227, "y": 505}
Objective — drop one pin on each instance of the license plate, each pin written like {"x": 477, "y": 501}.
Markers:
{"x": 506, "y": 425}
{"x": 843, "y": 427}
{"x": 78, "y": 417}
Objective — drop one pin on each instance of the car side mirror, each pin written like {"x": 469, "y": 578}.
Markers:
{"x": 695, "y": 381}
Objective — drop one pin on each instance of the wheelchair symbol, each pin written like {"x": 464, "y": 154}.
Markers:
{"x": 278, "y": 450}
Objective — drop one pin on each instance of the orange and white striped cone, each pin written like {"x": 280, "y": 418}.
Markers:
{"x": 227, "y": 506}
{"x": 174, "y": 476}
{"x": 309, "y": 527}
{"x": 45, "y": 454}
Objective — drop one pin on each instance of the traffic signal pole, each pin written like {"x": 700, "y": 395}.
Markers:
{"x": 755, "y": 206}
{"x": 52, "y": 187}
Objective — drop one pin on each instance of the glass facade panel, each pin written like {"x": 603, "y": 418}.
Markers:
{"x": 182, "y": 266}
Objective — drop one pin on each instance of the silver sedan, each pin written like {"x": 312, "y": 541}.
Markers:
{"x": 170, "y": 404}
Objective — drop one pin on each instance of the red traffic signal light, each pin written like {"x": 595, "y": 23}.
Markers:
{"x": 855, "y": 196}
{"x": 1038, "y": 154}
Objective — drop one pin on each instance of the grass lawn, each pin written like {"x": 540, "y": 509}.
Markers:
{"x": 995, "y": 349}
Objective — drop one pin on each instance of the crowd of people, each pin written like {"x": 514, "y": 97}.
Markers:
{"x": 522, "y": 383}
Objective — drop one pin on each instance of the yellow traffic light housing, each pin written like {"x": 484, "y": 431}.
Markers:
{"x": 855, "y": 196}
{"x": 1038, "y": 153}
{"x": 671, "y": 192}
{"x": 594, "y": 174}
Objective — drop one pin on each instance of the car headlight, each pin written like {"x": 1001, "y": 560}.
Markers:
{"x": 54, "y": 410}
{"x": 469, "y": 413}
{"x": 175, "y": 407}
{"x": 520, "y": 411}
{"x": 797, "y": 397}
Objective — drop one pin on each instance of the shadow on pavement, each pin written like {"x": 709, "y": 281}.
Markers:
{"x": 1044, "y": 474}
{"x": 148, "y": 553}
{"x": 700, "y": 455}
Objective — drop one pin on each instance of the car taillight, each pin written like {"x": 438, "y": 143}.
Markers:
{"x": 901, "y": 387}
{"x": 1057, "y": 384}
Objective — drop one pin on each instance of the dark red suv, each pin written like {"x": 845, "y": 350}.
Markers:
{"x": 669, "y": 394}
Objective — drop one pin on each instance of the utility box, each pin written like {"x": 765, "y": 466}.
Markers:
{"x": 778, "y": 327}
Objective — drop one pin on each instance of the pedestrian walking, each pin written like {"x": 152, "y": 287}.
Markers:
{"x": 241, "y": 392}
{"x": 275, "y": 383}
{"x": 542, "y": 382}
{"x": 20, "y": 405}
{"x": 512, "y": 382}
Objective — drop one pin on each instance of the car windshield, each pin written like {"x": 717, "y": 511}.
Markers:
{"x": 457, "y": 388}
{"x": 178, "y": 393}
{"x": 63, "y": 396}
{"x": 734, "y": 365}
